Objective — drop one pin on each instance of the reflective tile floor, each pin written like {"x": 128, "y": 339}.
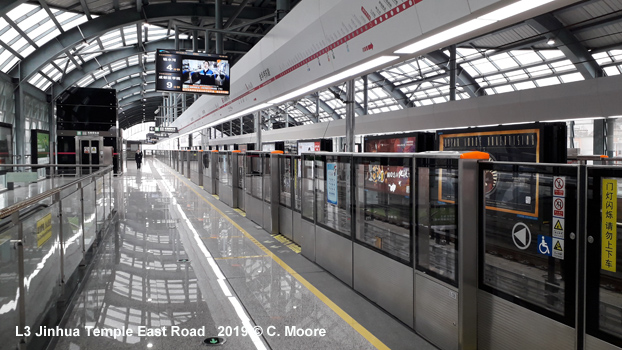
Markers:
{"x": 183, "y": 267}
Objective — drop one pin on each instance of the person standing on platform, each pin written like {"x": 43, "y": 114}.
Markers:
{"x": 138, "y": 157}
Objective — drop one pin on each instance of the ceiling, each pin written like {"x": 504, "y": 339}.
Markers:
{"x": 115, "y": 43}
{"x": 111, "y": 43}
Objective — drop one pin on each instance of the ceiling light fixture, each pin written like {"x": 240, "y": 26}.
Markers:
{"x": 337, "y": 77}
{"x": 551, "y": 42}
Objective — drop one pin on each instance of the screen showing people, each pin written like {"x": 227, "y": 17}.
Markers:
{"x": 181, "y": 71}
{"x": 204, "y": 74}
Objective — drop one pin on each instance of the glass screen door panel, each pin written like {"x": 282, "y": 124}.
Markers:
{"x": 603, "y": 265}
{"x": 527, "y": 253}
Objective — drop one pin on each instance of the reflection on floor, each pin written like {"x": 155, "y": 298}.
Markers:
{"x": 178, "y": 271}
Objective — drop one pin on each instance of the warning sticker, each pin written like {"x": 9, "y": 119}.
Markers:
{"x": 558, "y": 228}
{"x": 559, "y": 207}
{"x": 558, "y": 248}
{"x": 559, "y": 186}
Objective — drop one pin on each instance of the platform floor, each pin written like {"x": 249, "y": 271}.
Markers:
{"x": 237, "y": 277}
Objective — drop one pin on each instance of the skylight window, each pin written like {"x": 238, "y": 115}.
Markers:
{"x": 38, "y": 18}
{"x": 563, "y": 66}
{"x": 8, "y": 65}
{"x": 46, "y": 36}
{"x": 610, "y": 71}
{"x": 504, "y": 61}
{"x": 9, "y": 35}
{"x": 504, "y": 89}
{"x": 548, "y": 81}
{"x": 526, "y": 57}
{"x": 569, "y": 78}
{"x": 21, "y": 10}
{"x": 525, "y": 85}
{"x": 484, "y": 66}
{"x": 539, "y": 71}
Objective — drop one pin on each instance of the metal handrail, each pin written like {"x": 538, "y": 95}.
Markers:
{"x": 27, "y": 202}
{"x": 54, "y": 165}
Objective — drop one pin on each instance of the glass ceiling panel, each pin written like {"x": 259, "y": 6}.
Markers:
{"x": 610, "y": 71}
{"x": 504, "y": 89}
{"x": 551, "y": 54}
{"x": 504, "y": 61}
{"x": 9, "y": 64}
{"x": 36, "y": 19}
{"x": 526, "y": 57}
{"x": 569, "y": 78}
{"x": 539, "y": 71}
{"x": 9, "y": 36}
{"x": 483, "y": 66}
{"x": 47, "y": 36}
{"x": 525, "y": 85}
{"x": 69, "y": 20}
{"x": 548, "y": 81}
{"x": 21, "y": 10}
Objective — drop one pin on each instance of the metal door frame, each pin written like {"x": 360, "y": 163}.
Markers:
{"x": 90, "y": 138}
{"x": 590, "y": 251}
{"x": 519, "y": 313}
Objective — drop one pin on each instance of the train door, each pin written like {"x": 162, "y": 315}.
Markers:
{"x": 603, "y": 287}
{"x": 90, "y": 150}
{"x": 527, "y": 257}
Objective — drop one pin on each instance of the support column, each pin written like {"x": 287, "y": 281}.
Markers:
{"x": 164, "y": 111}
{"x": 610, "y": 138}
{"x": 599, "y": 136}
{"x": 282, "y": 8}
{"x": 350, "y": 116}
{"x": 52, "y": 124}
{"x": 174, "y": 105}
{"x": 195, "y": 41}
{"x": 452, "y": 72}
{"x": 258, "y": 129}
{"x": 176, "y": 38}
{"x": 218, "y": 25}
{"x": 18, "y": 126}
{"x": 365, "y": 95}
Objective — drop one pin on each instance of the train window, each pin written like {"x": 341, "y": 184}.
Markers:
{"x": 527, "y": 255}
{"x": 437, "y": 219}
{"x": 333, "y": 195}
{"x": 384, "y": 206}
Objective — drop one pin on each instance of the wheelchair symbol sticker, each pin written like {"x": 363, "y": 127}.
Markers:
{"x": 545, "y": 245}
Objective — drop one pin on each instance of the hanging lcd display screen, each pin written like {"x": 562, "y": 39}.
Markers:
{"x": 181, "y": 71}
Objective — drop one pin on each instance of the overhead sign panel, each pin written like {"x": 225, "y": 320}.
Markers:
{"x": 181, "y": 71}
{"x": 166, "y": 129}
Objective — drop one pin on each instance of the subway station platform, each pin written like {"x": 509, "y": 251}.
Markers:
{"x": 181, "y": 267}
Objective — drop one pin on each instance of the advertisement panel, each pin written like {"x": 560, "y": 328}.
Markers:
{"x": 392, "y": 145}
{"x": 181, "y": 71}
{"x": 307, "y": 147}
{"x": 331, "y": 183}
{"x": 388, "y": 178}
{"x": 43, "y": 148}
